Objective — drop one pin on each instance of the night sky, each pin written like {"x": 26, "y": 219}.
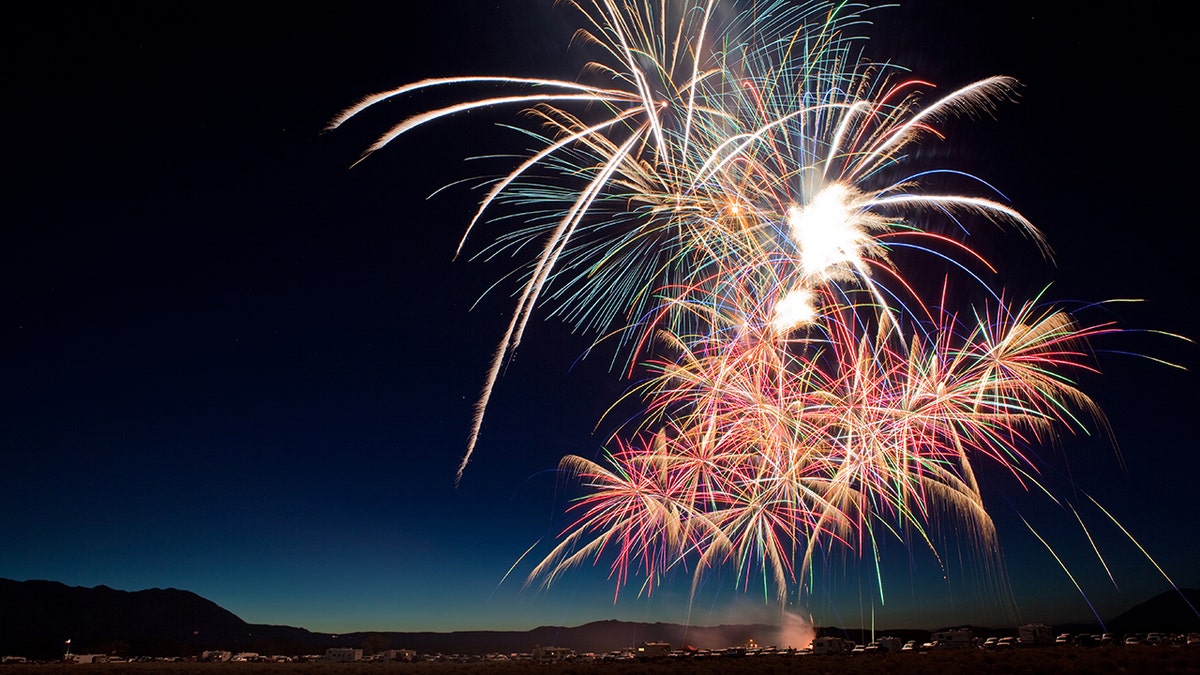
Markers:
{"x": 235, "y": 365}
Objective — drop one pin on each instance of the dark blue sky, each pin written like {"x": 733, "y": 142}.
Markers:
{"x": 236, "y": 366}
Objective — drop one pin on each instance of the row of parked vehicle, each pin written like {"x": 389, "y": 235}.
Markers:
{"x": 1152, "y": 638}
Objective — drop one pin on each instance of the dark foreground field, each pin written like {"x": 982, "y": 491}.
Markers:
{"x": 1050, "y": 660}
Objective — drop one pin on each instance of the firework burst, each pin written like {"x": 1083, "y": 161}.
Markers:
{"x": 727, "y": 197}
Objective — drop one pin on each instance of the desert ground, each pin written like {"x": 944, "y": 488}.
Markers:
{"x": 1048, "y": 660}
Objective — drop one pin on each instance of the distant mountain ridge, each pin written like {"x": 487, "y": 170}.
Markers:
{"x": 1169, "y": 611}
{"x": 37, "y": 617}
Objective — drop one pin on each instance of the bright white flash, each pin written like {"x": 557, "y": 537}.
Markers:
{"x": 829, "y": 234}
{"x": 793, "y": 310}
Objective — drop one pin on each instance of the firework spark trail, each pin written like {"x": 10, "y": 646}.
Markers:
{"x": 894, "y": 433}
{"x": 733, "y": 205}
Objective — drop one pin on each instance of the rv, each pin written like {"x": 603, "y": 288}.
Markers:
{"x": 541, "y": 653}
{"x": 341, "y": 654}
{"x": 888, "y": 644}
{"x": 954, "y": 638}
{"x": 1035, "y": 634}
{"x": 653, "y": 650}
{"x": 832, "y": 645}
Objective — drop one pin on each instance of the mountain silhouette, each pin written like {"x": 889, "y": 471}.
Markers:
{"x": 38, "y": 617}
{"x": 1170, "y": 611}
